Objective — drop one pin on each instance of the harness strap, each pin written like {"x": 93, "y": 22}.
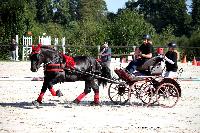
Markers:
{"x": 59, "y": 65}
{"x": 54, "y": 68}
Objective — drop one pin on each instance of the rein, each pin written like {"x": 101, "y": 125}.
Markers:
{"x": 54, "y": 67}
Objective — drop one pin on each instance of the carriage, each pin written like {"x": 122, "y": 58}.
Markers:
{"x": 145, "y": 87}
{"x": 147, "y": 84}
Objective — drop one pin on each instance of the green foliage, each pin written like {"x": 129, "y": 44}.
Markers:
{"x": 87, "y": 23}
{"x": 164, "y": 13}
{"x": 164, "y": 37}
{"x": 61, "y": 14}
{"x": 44, "y": 10}
{"x": 92, "y": 9}
{"x": 192, "y": 43}
{"x": 173, "y": 12}
{"x": 128, "y": 29}
{"x": 196, "y": 13}
{"x": 86, "y": 33}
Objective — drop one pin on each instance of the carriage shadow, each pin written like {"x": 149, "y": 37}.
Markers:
{"x": 105, "y": 104}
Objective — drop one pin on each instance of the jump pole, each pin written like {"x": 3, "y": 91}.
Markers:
{"x": 21, "y": 78}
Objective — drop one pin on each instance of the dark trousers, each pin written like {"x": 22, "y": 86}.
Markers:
{"x": 133, "y": 64}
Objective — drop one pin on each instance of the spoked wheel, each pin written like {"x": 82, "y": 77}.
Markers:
{"x": 148, "y": 92}
{"x": 140, "y": 92}
{"x": 118, "y": 93}
{"x": 167, "y": 95}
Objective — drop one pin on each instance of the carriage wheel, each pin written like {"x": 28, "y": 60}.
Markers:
{"x": 143, "y": 92}
{"x": 118, "y": 93}
{"x": 167, "y": 95}
{"x": 153, "y": 89}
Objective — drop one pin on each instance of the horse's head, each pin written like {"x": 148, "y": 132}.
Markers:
{"x": 36, "y": 58}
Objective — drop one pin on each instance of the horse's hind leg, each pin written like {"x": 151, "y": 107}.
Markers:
{"x": 95, "y": 88}
{"x": 83, "y": 94}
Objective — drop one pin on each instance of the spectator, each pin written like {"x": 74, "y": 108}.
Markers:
{"x": 142, "y": 54}
{"x": 171, "y": 69}
{"x": 105, "y": 54}
{"x": 13, "y": 47}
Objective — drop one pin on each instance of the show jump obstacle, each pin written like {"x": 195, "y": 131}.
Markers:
{"x": 44, "y": 40}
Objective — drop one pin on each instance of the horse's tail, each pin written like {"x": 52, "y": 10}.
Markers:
{"x": 105, "y": 72}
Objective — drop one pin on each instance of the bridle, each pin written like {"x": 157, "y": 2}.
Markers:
{"x": 36, "y": 56}
{"x": 48, "y": 66}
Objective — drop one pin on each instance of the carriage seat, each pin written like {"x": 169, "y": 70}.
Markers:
{"x": 153, "y": 67}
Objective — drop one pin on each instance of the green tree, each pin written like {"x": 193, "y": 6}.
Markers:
{"x": 92, "y": 10}
{"x": 128, "y": 28}
{"x": 44, "y": 10}
{"x": 163, "y": 38}
{"x": 150, "y": 9}
{"x": 174, "y": 13}
{"x": 74, "y": 10}
{"x": 30, "y": 14}
{"x": 61, "y": 13}
{"x": 164, "y": 13}
{"x": 17, "y": 17}
{"x": 196, "y": 13}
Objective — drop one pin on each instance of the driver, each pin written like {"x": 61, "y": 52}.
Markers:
{"x": 143, "y": 53}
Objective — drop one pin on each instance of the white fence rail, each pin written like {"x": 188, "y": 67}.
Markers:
{"x": 44, "y": 40}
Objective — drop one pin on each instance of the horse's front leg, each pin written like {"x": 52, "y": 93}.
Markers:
{"x": 51, "y": 89}
{"x": 40, "y": 97}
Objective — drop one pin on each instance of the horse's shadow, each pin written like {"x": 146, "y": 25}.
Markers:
{"x": 25, "y": 105}
{"x": 66, "y": 104}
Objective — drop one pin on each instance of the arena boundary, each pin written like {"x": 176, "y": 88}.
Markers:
{"x": 42, "y": 79}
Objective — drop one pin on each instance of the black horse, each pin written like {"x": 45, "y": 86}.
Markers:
{"x": 59, "y": 67}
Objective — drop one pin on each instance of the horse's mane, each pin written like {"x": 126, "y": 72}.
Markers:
{"x": 48, "y": 47}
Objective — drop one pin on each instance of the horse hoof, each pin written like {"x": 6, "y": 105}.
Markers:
{"x": 95, "y": 103}
{"x": 75, "y": 102}
{"x": 36, "y": 103}
{"x": 59, "y": 93}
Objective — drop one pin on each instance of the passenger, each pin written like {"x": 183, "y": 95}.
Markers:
{"x": 143, "y": 53}
{"x": 171, "y": 69}
{"x": 105, "y": 54}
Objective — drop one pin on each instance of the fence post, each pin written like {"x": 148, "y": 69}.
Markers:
{"x": 63, "y": 45}
{"x": 27, "y": 43}
{"x": 98, "y": 50}
{"x": 45, "y": 40}
{"x": 23, "y": 48}
{"x": 17, "y": 48}
{"x": 56, "y": 43}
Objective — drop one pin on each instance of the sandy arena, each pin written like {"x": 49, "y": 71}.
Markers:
{"x": 18, "y": 115}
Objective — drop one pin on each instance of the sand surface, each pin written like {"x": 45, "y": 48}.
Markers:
{"x": 18, "y": 115}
